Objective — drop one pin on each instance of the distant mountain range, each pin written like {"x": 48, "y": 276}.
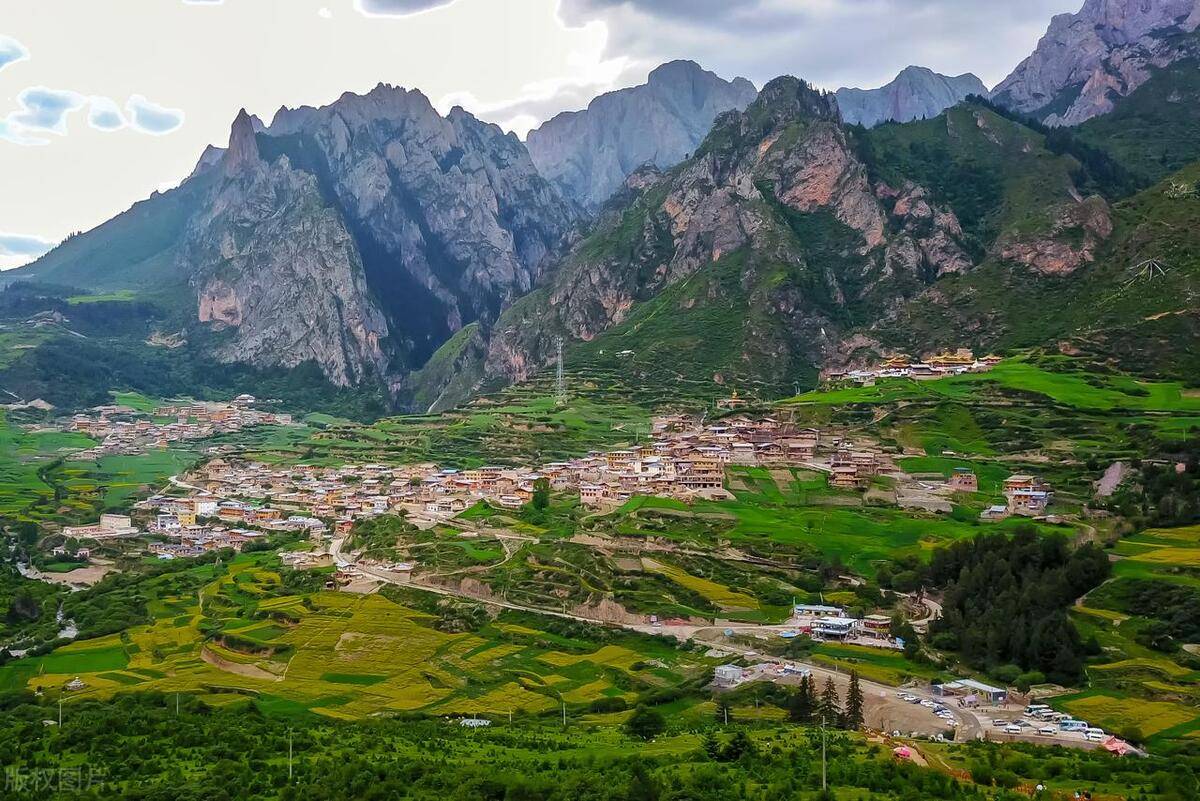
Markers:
{"x": 915, "y": 94}
{"x": 718, "y": 235}
{"x": 588, "y": 153}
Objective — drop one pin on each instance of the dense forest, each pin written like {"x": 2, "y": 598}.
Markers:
{"x": 154, "y": 750}
{"x": 1005, "y": 602}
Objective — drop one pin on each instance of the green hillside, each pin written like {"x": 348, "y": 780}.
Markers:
{"x": 1153, "y": 130}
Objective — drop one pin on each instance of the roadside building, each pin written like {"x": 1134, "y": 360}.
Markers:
{"x": 966, "y": 687}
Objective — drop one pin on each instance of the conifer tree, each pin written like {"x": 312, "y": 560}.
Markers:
{"x": 854, "y": 703}
{"x": 829, "y": 708}
{"x": 803, "y": 702}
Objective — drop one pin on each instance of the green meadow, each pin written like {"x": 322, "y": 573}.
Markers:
{"x": 1070, "y": 387}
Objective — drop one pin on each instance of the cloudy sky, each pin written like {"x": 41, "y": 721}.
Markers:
{"x": 104, "y": 101}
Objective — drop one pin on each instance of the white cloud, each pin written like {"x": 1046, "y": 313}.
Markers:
{"x": 19, "y": 249}
{"x": 11, "y": 51}
{"x": 398, "y": 8}
{"x": 16, "y": 135}
{"x": 830, "y": 42}
{"x": 105, "y": 115}
{"x": 44, "y": 109}
{"x": 152, "y": 118}
{"x": 589, "y": 75}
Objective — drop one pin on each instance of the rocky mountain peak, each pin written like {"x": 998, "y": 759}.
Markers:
{"x": 1104, "y": 51}
{"x": 787, "y": 99}
{"x": 915, "y": 93}
{"x": 243, "y": 146}
{"x": 587, "y": 154}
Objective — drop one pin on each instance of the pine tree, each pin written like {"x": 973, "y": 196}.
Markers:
{"x": 830, "y": 709}
{"x": 803, "y": 702}
{"x": 854, "y": 703}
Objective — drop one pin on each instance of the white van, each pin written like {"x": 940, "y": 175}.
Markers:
{"x": 1048, "y": 731}
{"x": 1034, "y": 709}
{"x": 1072, "y": 725}
{"x": 1094, "y": 737}
{"x": 1012, "y": 728}
{"x": 1093, "y": 730}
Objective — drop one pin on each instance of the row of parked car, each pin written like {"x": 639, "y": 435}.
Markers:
{"x": 940, "y": 710}
{"x": 1049, "y": 723}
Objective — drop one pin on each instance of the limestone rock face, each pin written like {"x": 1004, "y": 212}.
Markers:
{"x": 777, "y": 190}
{"x": 1105, "y": 51}
{"x": 916, "y": 93}
{"x": 452, "y": 218}
{"x": 587, "y": 154}
{"x": 363, "y": 234}
{"x": 277, "y": 273}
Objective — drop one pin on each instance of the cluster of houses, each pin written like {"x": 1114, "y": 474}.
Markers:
{"x": 1025, "y": 495}
{"x": 124, "y": 430}
{"x": 938, "y": 365}
{"x": 687, "y": 460}
{"x": 683, "y": 460}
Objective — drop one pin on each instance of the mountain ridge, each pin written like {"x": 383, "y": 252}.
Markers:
{"x": 588, "y": 153}
{"x": 915, "y": 93}
{"x": 1104, "y": 51}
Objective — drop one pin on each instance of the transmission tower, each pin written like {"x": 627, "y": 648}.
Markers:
{"x": 560, "y": 381}
{"x": 1147, "y": 270}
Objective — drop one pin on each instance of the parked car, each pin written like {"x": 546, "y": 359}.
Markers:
{"x": 1012, "y": 728}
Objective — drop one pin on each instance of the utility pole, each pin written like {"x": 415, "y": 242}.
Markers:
{"x": 289, "y": 756}
{"x": 59, "y": 713}
{"x": 176, "y": 704}
{"x": 564, "y": 713}
{"x": 823, "y": 785}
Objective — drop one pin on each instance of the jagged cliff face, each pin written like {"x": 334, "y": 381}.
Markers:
{"x": 774, "y": 220}
{"x": 278, "y": 274}
{"x": 361, "y": 235}
{"x": 916, "y": 93}
{"x": 587, "y": 154}
{"x": 451, "y": 218}
{"x": 1105, "y": 51}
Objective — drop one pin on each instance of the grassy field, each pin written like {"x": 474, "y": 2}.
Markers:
{"x": 728, "y": 600}
{"x": 1068, "y": 388}
{"x": 1115, "y": 712}
{"x": 765, "y": 516}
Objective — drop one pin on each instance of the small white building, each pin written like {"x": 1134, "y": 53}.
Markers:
{"x": 728, "y": 675}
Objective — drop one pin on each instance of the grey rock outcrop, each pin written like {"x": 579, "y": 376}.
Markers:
{"x": 1105, "y": 51}
{"x": 588, "y": 153}
{"x": 452, "y": 218}
{"x": 768, "y": 189}
{"x": 916, "y": 93}
{"x": 275, "y": 266}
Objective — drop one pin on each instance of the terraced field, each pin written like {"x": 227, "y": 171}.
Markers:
{"x": 349, "y": 656}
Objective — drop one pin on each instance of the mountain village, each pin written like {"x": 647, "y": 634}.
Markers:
{"x": 227, "y": 502}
